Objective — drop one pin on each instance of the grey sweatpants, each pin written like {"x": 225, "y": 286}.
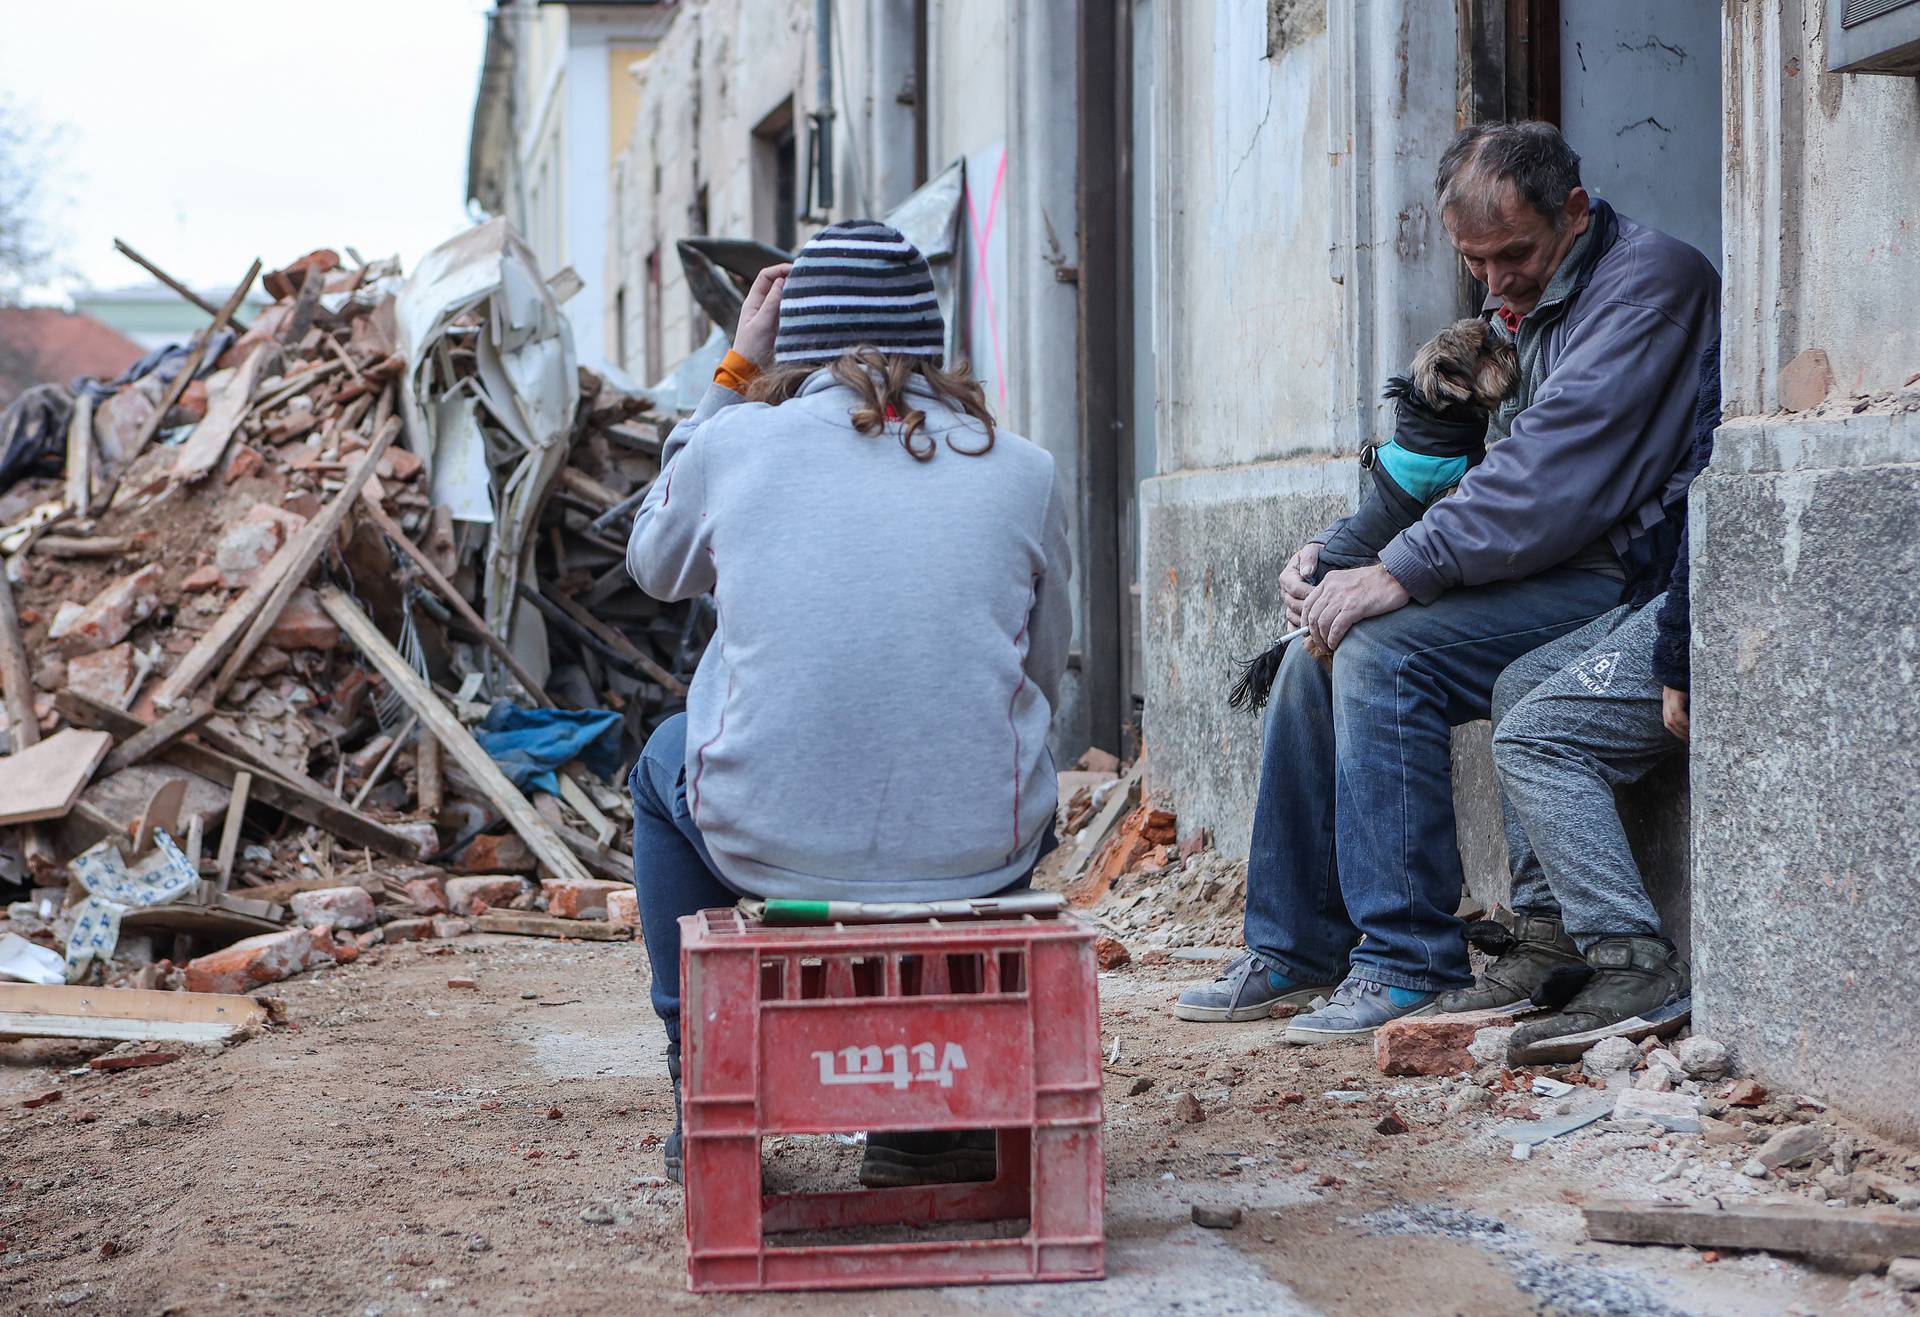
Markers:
{"x": 1573, "y": 720}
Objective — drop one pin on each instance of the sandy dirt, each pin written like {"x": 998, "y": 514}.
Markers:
{"x": 402, "y": 1146}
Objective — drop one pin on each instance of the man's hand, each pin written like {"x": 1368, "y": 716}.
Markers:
{"x": 760, "y": 315}
{"x": 1674, "y": 707}
{"x": 1293, "y": 581}
{"x": 1350, "y": 596}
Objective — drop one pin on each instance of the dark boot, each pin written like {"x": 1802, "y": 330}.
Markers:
{"x": 1524, "y": 956}
{"x": 673, "y": 1158}
{"x": 894, "y": 1161}
{"x": 1639, "y": 989}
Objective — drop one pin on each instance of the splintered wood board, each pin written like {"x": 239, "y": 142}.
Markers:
{"x": 136, "y": 1014}
{"x": 43, "y": 781}
{"x": 528, "y": 923}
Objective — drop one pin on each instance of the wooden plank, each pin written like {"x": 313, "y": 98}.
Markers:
{"x": 83, "y": 546}
{"x": 175, "y": 284}
{"x": 208, "y": 920}
{"x": 270, "y": 787}
{"x": 225, "y": 410}
{"x": 379, "y": 770}
{"x": 146, "y": 742}
{"x": 62, "y": 1011}
{"x": 313, "y": 540}
{"x": 226, "y": 632}
{"x": 230, "y": 830}
{"x": 43, "y": 781}
{"x": 616, "y": 642}
{"x": 22, "y": 723}
{"x": 575, "y": 795}
{"x": 454, "y": 599}
{"x": 454, "y": 738}
{"x": 80, "y": 457}
{"x": 1771, "y": 1227}
{"x": 529, "y": 923}
{"x": 180, "y": 381}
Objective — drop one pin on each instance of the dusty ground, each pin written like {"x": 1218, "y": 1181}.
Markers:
{"x": 405, "y": 1146}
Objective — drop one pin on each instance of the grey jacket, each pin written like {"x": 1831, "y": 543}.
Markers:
{"x": 870, "y": 720}
{"x": 1602, "y": 451}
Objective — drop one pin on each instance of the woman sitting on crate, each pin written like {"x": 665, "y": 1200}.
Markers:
{"x": 889, "y": 570}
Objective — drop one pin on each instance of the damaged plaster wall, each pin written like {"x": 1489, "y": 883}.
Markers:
{"x": 1806, "y": 656}
{"x": 1301, "y": 263}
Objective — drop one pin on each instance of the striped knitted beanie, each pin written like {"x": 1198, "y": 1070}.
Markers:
{"x": 859, "y": 283}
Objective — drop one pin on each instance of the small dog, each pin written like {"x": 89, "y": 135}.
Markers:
{"x": 1459, "y": 377}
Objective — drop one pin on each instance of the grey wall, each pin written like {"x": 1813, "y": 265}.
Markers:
{"x": 1640, "y": 101}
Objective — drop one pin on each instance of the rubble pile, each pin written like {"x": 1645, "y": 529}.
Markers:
{"x": 316, "y": 633}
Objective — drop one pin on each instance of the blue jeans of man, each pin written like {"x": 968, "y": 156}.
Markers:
{"x": 673, "y": 872}
{"x": 1355, "y": 864}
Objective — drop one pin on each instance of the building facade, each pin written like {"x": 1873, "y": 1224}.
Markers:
{"x": 1198, "y": 235}
{"x": 554, "y": 111}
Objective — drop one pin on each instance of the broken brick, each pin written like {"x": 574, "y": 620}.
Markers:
{"x": 254, "y": 961}
{"x": 397, "y": 464}
{"x": 334, "y": 907}
{"x": 579, "y": 898}
{"x": 495, "y": 854}
{"x": 250, "y": 543}
{"x": 429, "y": 895}
{"x": 623, "y": 909}
{"x": 1431, "y": 1044}
{"x": 246, "y": 461}
{"x": 134, "y": 1061}
{"x": 102, "y": 676}
{"x": 493, "y": 889}
{"x": 1111, "y": 952}
{"x": 408, "y": 930}
{"x": 1806, "y": 381}
{"x": 303, "y": 624}
{"x": 51, "y": 1095}
{"x": 1744, "y": 1093}
{"x": 201, "y": 579}
{"x": 106, "y": 620}
{"x": 1391, "y": 1123}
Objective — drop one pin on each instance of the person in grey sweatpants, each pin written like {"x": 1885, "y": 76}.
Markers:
{"x": 1573, "y": 721}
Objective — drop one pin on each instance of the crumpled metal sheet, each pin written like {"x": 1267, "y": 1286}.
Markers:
{"x": 524, "y": 383}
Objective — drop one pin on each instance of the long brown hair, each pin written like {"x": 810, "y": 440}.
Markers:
{"x": 880, "y": 381}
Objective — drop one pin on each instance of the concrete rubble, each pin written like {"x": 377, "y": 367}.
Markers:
{"x": 171, "y": 586}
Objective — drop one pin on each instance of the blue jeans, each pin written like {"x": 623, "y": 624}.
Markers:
{"x": 1353, "y": 829}
{"x": 674, "y": 873}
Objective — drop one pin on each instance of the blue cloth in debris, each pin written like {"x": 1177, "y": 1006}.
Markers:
{"x": 529, "y": 744}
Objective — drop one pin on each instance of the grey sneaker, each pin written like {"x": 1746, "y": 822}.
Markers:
{"x": 1526, "y": 951}
{"x": 1358, "y": 1007}
{"x": 1640, "y": 987}
{"x": 1245, "y": 991}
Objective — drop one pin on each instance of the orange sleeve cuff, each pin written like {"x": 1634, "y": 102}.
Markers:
{"x": 735, "y": 372}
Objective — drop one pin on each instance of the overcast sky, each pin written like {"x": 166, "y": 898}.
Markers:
{"x": 208, "y": 132}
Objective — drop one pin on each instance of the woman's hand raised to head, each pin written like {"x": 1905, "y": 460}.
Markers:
{"x": 760, "y": 315}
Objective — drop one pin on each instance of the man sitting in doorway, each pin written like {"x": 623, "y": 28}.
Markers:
{"x": 1354, "y": 872}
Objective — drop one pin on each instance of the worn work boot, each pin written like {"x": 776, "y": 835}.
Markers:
{"x": 672, "y": 1150}
{"x": 1639, "y": 988}
{"x": 1246, "y": 990}
{"x": 1524, "y": 956}
{"x": 1358, "y": 1007}
{"x": 897, "y": 1161}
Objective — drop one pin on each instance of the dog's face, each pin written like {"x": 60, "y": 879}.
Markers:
{"x": 1465, "y": 363}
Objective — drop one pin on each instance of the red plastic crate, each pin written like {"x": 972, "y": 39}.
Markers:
{"x": 977, "y": 1024}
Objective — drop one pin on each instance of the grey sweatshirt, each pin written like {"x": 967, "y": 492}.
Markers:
{"x": 870, "y": 720}
{"x": 1602, "y": 451}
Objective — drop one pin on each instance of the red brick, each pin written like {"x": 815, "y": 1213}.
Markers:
{"x": 303, "y": 624}
{"x": 1431, "y": 1044}
{"x": 408, "y": 930}
{"x": 623, "y": 909}
{"x": 334, "y": 907}
{"x": 254, "y": 961}
{"x": 450, "y": 926}
{"x": 397, "y": 464}
{"x": 1111, "y": 952}
{"x": 429, "y": 895}
{"x": 246, "y": 461}
{"x": 106, "y": 620}
{"x": 504, "y": 853}
{"x": 494, "y": 889}
{"x": 102, "y": 676}
{"x": 201, "y": 579}
{"x": 135, "y": 1061}
{"x": 579, "y": 898}
{"x": 192, "y": 405}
